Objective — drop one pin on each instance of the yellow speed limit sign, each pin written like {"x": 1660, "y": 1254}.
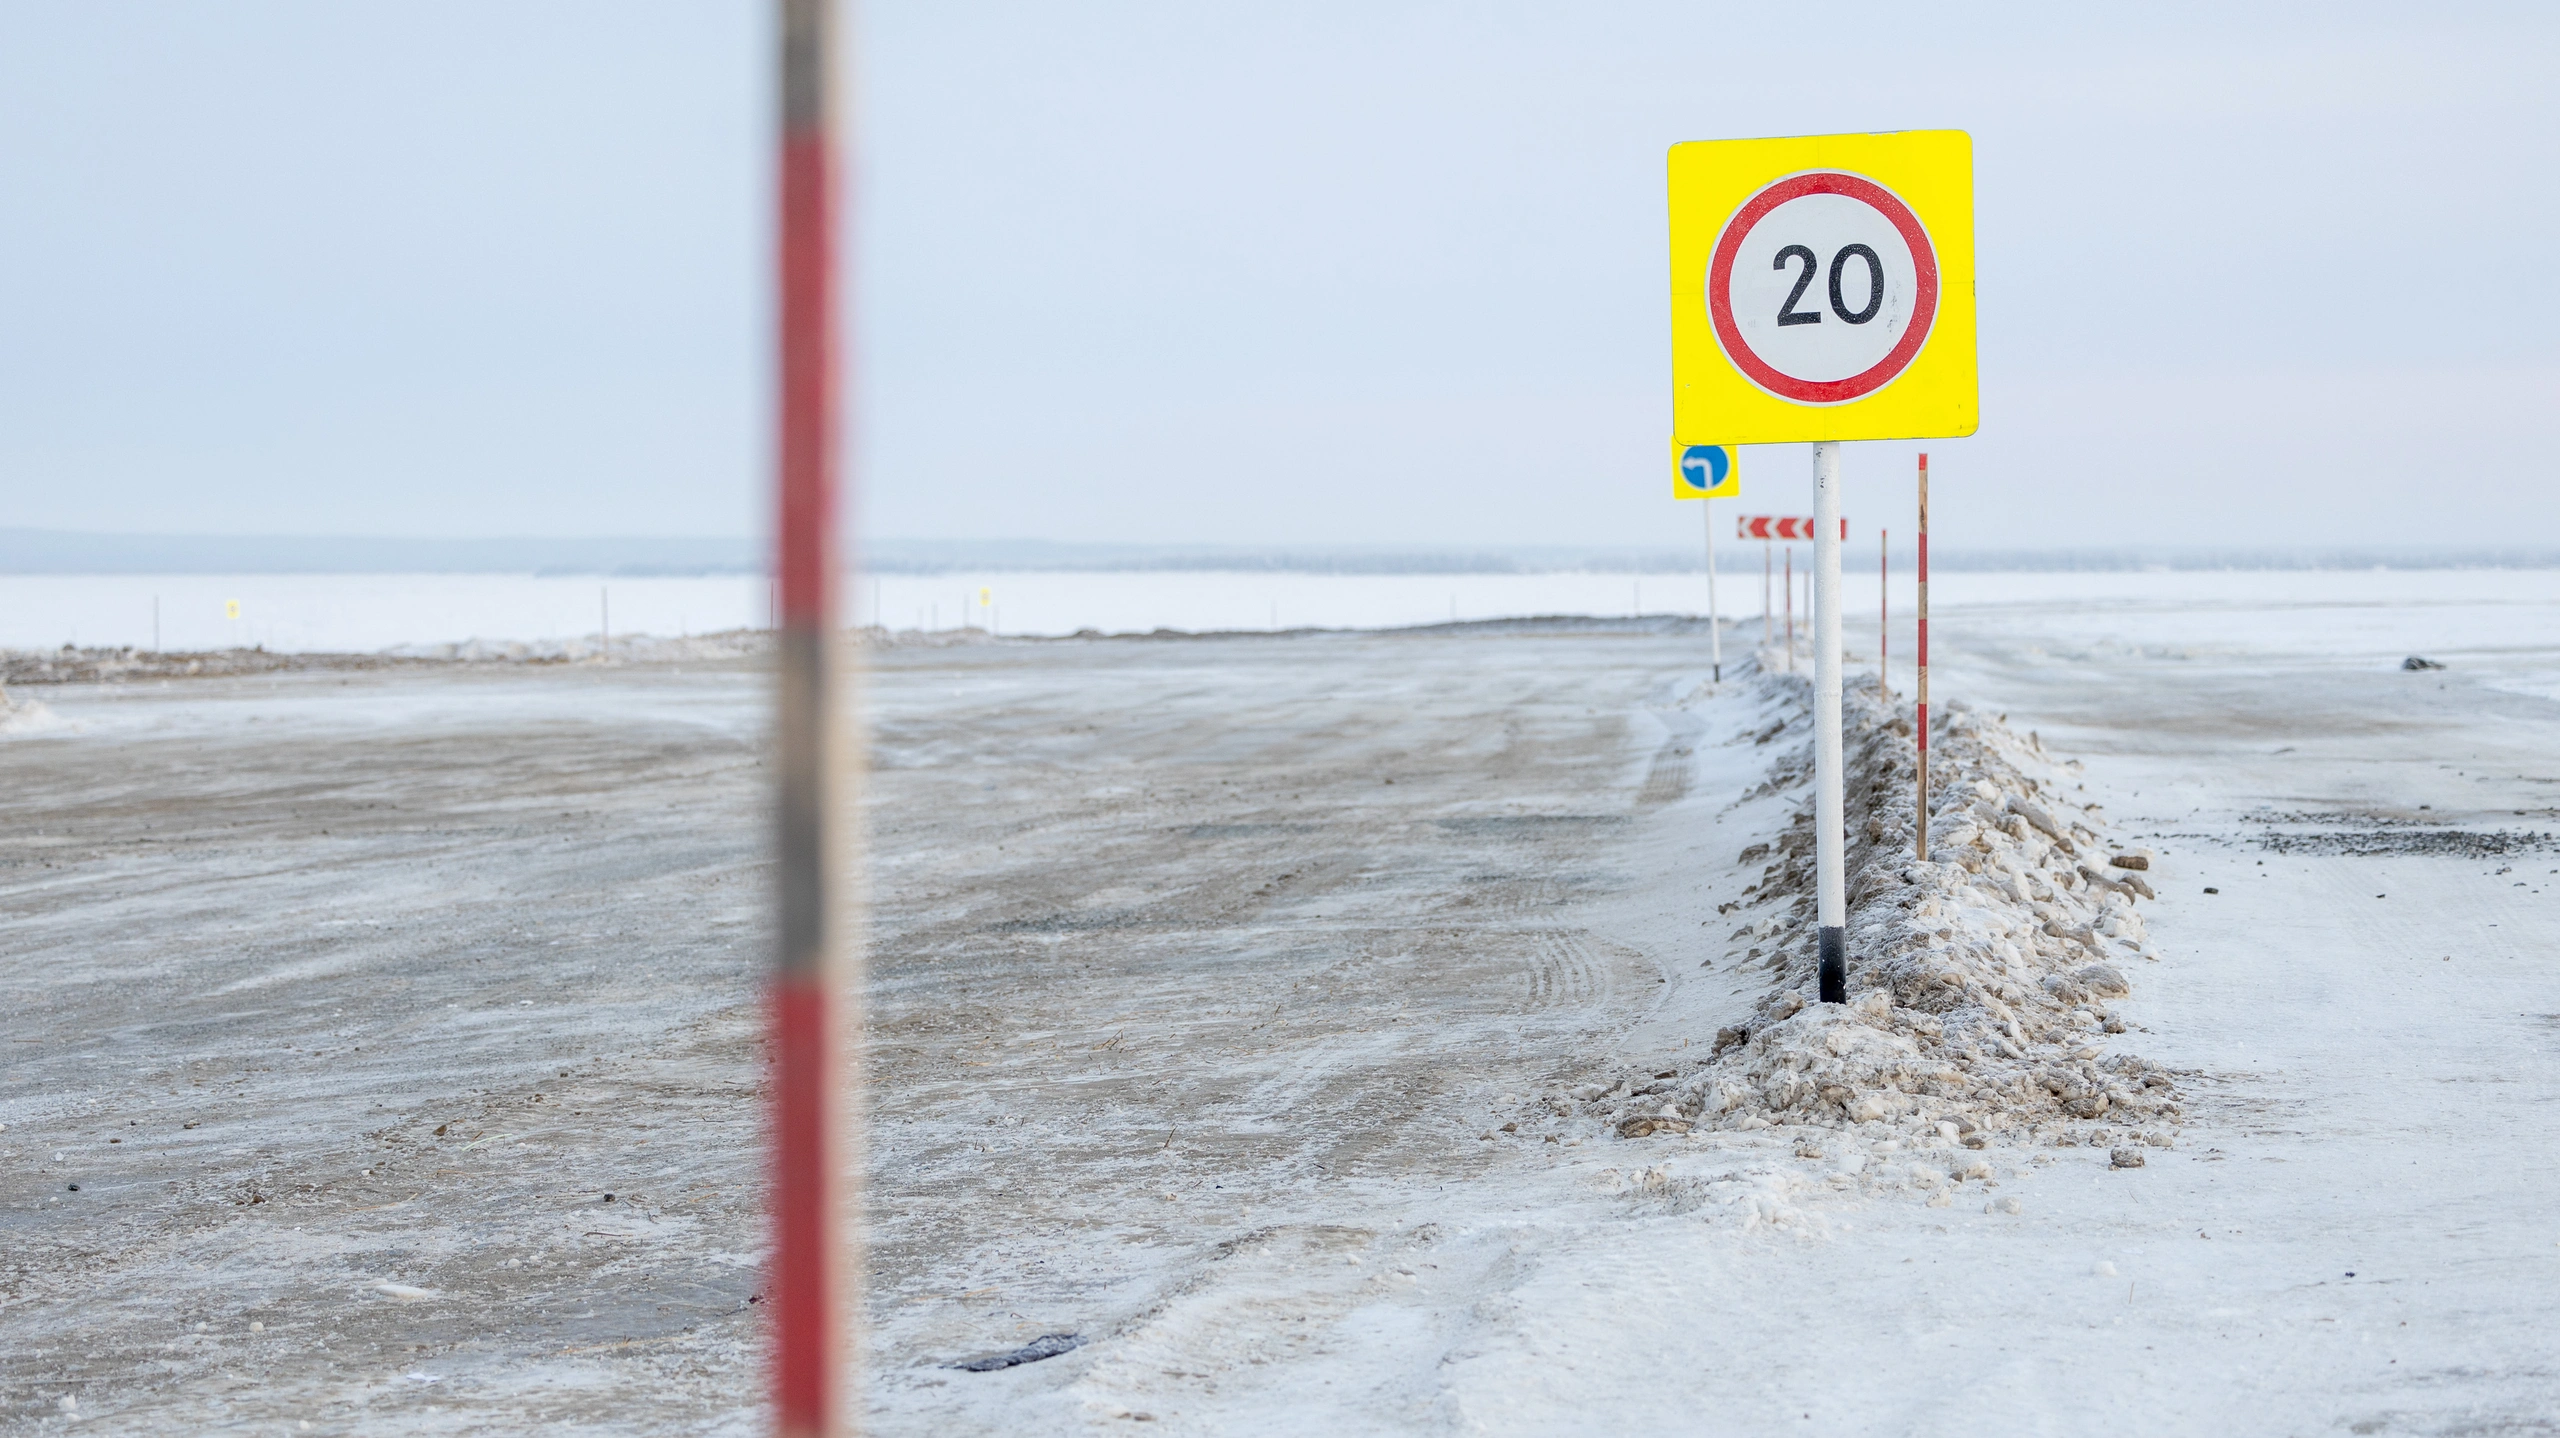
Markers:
{"x": 1822, "y": 288}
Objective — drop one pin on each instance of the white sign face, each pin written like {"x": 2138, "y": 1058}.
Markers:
{"x": 1822, "y": 288}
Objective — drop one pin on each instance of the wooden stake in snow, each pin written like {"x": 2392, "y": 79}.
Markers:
{"x": 811, "y": 1000}
{"x": 1924, "y": 657}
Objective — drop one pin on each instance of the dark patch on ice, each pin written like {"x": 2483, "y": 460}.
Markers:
{"x": 1067, "y": 923}
{"x": 1525, "y": 823}
{"x": 2377, "y": 842}
{"x": 1243, "y": 831}
{"x": 1047, "y": 1345}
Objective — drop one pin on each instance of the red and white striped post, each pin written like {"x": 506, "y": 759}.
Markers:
{"x": 1924, "y": 657}
{"x": 814, "y": 1000}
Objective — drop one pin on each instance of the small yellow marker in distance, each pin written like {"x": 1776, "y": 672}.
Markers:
{"x": 231, "y": 609}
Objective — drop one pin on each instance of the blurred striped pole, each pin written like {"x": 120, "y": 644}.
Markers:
{"x": 813, "y": 1004}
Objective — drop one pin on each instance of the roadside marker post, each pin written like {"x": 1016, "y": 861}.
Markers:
{"x": 1822, "y": 292}
{"x": 813, "y": 1005}
{"x": 1884, "y": 612}
{"x": 1706, "y": 473}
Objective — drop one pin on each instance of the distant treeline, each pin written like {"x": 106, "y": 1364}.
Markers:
{"x": 37, "y": 551}
{"x": 43, "y": 551}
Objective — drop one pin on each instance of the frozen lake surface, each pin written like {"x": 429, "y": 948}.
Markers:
{"x": 1201, "y": 971}
{"x": 2348, "y": 614}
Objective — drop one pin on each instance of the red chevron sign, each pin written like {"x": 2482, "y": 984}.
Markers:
{"x": 1781, "y": 526}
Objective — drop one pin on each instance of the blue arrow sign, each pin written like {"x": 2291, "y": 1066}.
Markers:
{"x": 1705, "y": 470}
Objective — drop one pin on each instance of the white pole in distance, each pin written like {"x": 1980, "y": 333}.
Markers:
{"x": 1831, "y": 906}
{"x": 1715, "y": 631}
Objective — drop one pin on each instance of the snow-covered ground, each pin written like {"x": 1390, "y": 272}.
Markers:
{"x": 1205, "y": 976}
{"x": 2352, "y": 1232}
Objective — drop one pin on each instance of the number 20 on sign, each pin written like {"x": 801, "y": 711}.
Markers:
{"x": 1822, "y": 288}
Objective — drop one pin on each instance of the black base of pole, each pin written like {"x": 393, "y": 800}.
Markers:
{"x": 1835, "y": 966}
{"x": 1719, "y": 674}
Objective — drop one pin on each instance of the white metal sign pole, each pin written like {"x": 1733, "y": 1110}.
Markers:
{"x": 1715, "y": 630}
{"x": 1924, "y": 657}
{"x": 1831, "y": 904}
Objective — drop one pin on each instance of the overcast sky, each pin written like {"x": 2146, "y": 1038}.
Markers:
{"x": 1296, "y": 272}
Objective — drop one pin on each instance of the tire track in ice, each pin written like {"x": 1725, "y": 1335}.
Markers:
{"x": 1563, "y": 972}
{"x": 1226, "y": 1352}
{"x": 1667, "y": 781}
{"x": 1667, "y": 778}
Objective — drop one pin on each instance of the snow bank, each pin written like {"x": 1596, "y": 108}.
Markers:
{"x": 1981, "y": 982}
{"x": 69, "y": 665}
{"x": 25, "y": 716}
{"x": 622, "y": 649}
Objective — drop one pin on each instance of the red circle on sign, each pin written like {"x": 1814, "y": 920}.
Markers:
{"x": 1924, "y": 300}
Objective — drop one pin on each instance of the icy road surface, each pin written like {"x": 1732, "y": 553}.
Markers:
{"x": 1202, "y": 972}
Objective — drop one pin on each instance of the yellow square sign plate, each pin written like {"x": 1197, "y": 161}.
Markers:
{"x": 1705, "y": 471}
{"x": 1822, "y": 288}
